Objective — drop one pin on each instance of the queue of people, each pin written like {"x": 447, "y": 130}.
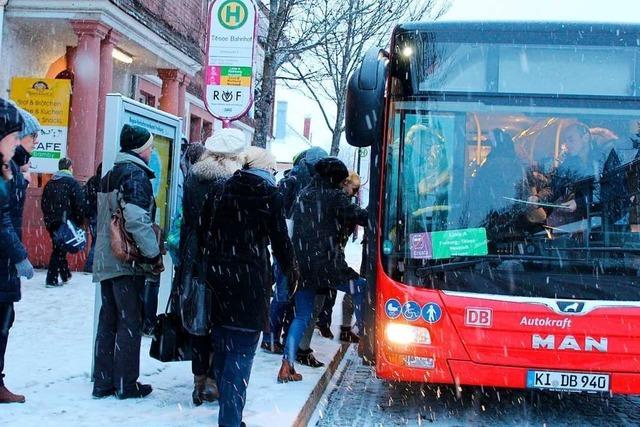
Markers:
{"x": 238, "y": 227}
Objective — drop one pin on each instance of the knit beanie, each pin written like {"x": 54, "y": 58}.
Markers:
{"x": 135, "y": 138}
{"x": 332, "y": 169}
{"x": 31, "y": 124}
{"x": 10, "y": 119}
{"x": 226, "y": 142}
{"x": 259, "y": 158}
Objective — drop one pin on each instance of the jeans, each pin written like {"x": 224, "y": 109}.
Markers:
{"x": 117, "y": 352}
{"x": 304, "y": 313}
{"x": 234, "y": 350}
{"x": 58, "y": 265}
{"x": 278, "y": 308}
{"x": 305, "y": 303}
{"x": 201, "y": 358}
{"x": 7, "y": 316}
{"x": 305, "y": 341}
{"x": 357, "y": 289}
{"x": 88, "y": 265}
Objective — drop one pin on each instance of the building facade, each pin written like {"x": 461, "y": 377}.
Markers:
{"x": 148, "y": 50}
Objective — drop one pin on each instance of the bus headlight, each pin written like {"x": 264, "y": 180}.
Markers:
{"x": 400, "y": 333}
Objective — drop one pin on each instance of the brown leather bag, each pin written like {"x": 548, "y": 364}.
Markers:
{"x": 123, "y": 246}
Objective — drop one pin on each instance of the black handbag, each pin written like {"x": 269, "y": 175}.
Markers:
{"x": 195, "y": 303}
{"x": 170, "y": 342}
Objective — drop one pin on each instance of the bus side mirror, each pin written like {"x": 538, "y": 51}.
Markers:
{"x": 364, "y": 112}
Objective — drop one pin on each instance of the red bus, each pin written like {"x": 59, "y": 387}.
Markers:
{"x": 505, "y": 176}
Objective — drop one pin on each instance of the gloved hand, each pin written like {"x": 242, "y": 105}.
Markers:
{"x": 157, "y": 266}
{"x": 25, "y": 269}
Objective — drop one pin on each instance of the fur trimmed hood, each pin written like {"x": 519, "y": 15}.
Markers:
{"x": 211, "y": 167}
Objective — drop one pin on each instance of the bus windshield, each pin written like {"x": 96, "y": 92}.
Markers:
{"x": 500, "y": 198}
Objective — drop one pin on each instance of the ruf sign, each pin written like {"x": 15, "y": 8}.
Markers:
{"x": 230, "y": 51}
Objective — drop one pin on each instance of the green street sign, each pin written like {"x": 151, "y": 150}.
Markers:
{"x": 233, "y": 14}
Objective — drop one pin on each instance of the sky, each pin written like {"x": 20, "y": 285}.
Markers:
{"x": 627, "y": 11}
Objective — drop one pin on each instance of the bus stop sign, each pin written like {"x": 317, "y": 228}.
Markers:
{"x": 231, "y": 35}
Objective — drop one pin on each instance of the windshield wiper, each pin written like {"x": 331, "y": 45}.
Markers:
{"x": 493, "y": 259}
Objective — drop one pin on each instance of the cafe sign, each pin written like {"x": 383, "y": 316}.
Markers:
{"x": 48, "y": 100}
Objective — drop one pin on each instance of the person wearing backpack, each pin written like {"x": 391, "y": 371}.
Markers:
{"x": 63, "y": 200}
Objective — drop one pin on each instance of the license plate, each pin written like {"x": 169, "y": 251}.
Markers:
{"x": 567, "y": 381}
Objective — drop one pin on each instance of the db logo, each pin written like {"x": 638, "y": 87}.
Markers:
{"x": 481, "y": 317}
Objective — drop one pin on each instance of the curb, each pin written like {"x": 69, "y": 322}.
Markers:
{"x": 310, "y": 405}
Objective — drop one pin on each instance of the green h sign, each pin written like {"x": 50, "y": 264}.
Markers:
{"x": 233, "y": 14}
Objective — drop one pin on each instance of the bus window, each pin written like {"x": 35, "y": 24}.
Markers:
{"x": 535, "y": 190}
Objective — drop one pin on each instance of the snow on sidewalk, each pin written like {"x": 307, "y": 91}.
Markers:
{"x": 49, "y": 360}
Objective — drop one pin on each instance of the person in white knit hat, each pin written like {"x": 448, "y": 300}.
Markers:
{"x": 223, "y": 156}
{"x": 226, "y": 142}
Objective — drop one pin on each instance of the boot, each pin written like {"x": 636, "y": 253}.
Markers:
{"x": 325, "y": 331}
{"x": 275, "y": 348}
{"x": 198, "y": 389}
{"x": 288, "y": 373}
{"x": 306, "y": 357}
{"x": 347, "y": 335}
{"x": 210, "y": 392}
{"x": 140, "y": 391}
{"x": 7, "y": 397}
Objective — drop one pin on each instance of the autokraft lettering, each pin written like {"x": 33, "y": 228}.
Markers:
{"x": 479, "y": 317}
{"x": 569, "y": 342}
{"x": 564, "y": 323}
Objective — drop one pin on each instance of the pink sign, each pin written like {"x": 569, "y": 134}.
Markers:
{"x": 421, "y": 246}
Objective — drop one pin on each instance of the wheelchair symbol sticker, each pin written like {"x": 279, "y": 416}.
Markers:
{"x": 393, "y": 309}
{"x": 431, "y": 313}
{"x": 411, "y": 311}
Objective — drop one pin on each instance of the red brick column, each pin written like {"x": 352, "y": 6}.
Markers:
{"x": 83, "y": 124}
{"x": 106, "y": 83}
{"x": 170, "y": 98}
{"x": 182, "y": 91}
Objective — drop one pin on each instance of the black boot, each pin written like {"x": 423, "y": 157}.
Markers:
{"x": 306, "y": 357}
{"x": 325, "y": 331}
{"x": 347, "y": 335}
{"x": 140, "y": 390}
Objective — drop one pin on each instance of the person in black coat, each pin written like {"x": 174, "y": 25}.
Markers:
{"x": 216, "y": 164}
{"x": 321, "y": 216}
{"x": 248, "y": 217}
{"x": 13, "y": 255}
{"x": 91, "y": 193}
{"x": 62, "y": 199}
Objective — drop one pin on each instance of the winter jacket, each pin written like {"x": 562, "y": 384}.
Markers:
{"x": 17, "y": 197}
{"x": 91, "y": 192}
{"x": 127, "y": 185}
{"x": 63, "y": 199}
{"x": 11, "y": 250}
{"x": 249, "y": 216}
{"x": 206, "y": 176}
{"x": 322, "y": 216}
{"x": 300, "y": 176}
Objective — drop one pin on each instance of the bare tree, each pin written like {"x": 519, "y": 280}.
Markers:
{"x": 325, "y": 69}
{"x": 295, "y": 26}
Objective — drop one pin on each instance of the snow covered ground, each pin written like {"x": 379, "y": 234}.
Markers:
{"x": 49, "y": 360}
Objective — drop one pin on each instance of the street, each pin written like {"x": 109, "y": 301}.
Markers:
{"x": 357, "y": 398}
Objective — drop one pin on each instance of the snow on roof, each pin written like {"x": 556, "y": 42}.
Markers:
{"x": 284, "y": 149}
